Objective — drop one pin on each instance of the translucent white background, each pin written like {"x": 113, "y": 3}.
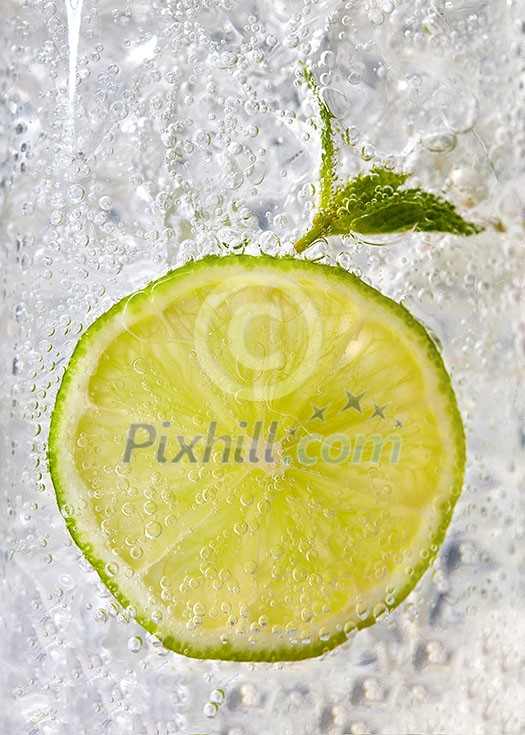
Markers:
{"x": 136, "y": 136}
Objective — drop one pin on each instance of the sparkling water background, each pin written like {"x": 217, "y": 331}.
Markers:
{"x": 134, "y": 136}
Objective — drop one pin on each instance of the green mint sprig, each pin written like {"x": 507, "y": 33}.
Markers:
{"x": 374, "y": 203}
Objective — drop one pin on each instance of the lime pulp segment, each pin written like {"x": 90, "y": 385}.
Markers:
{"x": 258, "y": 455}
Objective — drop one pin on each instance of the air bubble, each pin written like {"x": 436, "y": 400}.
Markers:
{"x": 150, "y": 508}
{"x": 156, "y": 616}
{"x": 376, "y": 16}
{"x": 76, "y": 193}
{"x": 439, "y": 142}
{"x": 211, "y": 710}
{"x": 306, "y": 614}
{"x": 217, "y": 696}
{"x": 153, "y": 529}
{"x": 280, "y": 222}
{"x": 368, "y": 152}
{"x": 105, "y": 203}
{"x": 199, "y": 609}
{"x": 135, "y": 644}
{"x": 226, "y": 60}
{"x": 459, "y": 108}
{"x": 327, "y": 58}
{"x": 299, "y": 574}
{"x": 379, "y": 611}
{"x": 201, "y": 139}
{"x": 251, "y": 107}
{"x": 350, "y": 628}
{"x": 291, "y": 41}
{"x": 101, "y": 616}
{"x": 118, "y": 110}
{"x": 140, "y": 366}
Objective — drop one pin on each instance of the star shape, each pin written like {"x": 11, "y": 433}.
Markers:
{"x": 318, "y": 413}
{"x": 353, "y": 402}
{"x": 379, "y": 411}
{"x": 398, "y": 424}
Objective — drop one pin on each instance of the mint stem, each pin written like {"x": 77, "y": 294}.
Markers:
{"x": 328, "y": 152}
{"x": 318, "y": 231}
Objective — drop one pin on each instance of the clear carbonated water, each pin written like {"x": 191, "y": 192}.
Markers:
{"x": 135, "y": 136}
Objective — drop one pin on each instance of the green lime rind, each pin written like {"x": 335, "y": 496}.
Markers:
{"x": 112, "y": 322}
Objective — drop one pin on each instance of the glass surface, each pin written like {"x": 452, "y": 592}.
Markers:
{"x": 136, "y": 136}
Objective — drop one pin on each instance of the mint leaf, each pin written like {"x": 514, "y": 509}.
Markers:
{"x": 372, "y": 203}
{"x": 383, "y": 181}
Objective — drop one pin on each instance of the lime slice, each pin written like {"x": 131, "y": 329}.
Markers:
{"x": 258, "y": 455}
